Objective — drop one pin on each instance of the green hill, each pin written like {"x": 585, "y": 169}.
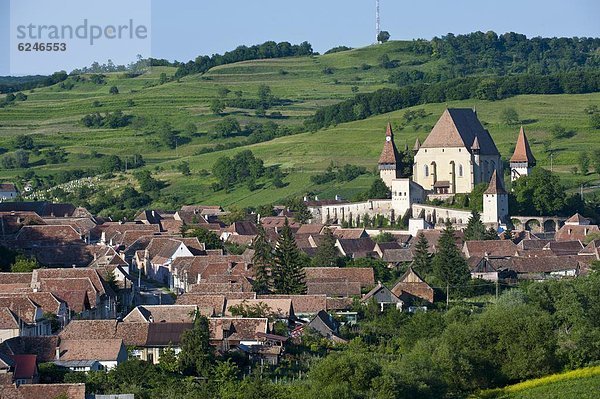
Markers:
{"x": 52, "y": 117}
{"x": 580, "y": 384}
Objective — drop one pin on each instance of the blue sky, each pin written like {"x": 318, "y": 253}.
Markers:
{"x": 183, "y": 29}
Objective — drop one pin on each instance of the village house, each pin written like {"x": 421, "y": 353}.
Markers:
{"x": 22, "y": 317}
{"x": 160, "y": 254}
{"x": 334, "y": 281}
{"x": 277, "y": 309}
{"x": 322, "y": 324}
{"x": 411, "y": 288}
{"x": 82, "y": 289}
{"x": 166, "y": 313}
{"x": 81, "y": 354}
{"x": 382, "y": 296}
{"x": 8, "y": 191}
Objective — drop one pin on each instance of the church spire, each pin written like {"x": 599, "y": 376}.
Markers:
{"x": 417, "y": 145}
{"x": 523, "y": 152}
{"x": 496, "y": 186}
{"x": 389, "y": 155}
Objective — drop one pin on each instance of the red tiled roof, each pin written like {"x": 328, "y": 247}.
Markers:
{"x": 496, "y": 186}
{"x": 459, "y": 127}
{"x": 389, "y": 154}
{"x": 25, "y": 366}
{"x": 522, "y": 150}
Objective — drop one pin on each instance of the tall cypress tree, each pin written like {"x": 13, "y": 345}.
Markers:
{"x": 288, "y": 274}
{"x": 448, "y": 264}
{"x": 196, "y": 354}
{"x": 422, "y": 257}
{"x": 475, "y": 229}
{"x": 327, "y": 253}
{"x": 262, "y": 261}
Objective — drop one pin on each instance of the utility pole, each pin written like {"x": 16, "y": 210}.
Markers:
{"x": 496, "y": 288}
{"x": 377, "y": 21}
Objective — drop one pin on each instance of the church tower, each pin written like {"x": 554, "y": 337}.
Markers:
{"x": 522, "y": 160}
{"x": 495, "y": 201}
{"x": 389, "y": 161}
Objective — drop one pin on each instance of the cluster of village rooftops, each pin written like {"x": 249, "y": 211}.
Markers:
{"x": 97, "y": 291}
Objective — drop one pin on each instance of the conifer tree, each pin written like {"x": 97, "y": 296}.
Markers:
{"x": 196, "y": 354}
{"x": 263, "y": 262}
{"x": 327, "y": 253}
{"x": 475, "y": 229}
{"x": 422, "y": 257}
{"x": 288, "y": 274}
{"x": 491, "y": 234}
{"x": 448, "y": 264}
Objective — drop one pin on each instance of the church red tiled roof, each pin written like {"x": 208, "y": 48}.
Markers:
{"x": 389, "y": 155}
{"x": 522, "y": 150}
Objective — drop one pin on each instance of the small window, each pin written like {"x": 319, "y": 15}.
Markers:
{"x": 426, "y": 170}
{"x": 460, "y": 170}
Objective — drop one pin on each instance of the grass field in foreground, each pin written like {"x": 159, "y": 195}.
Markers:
{"x": 577, "y": 384}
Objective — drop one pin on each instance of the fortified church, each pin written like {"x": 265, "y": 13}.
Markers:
{"x": 458, "y": 154}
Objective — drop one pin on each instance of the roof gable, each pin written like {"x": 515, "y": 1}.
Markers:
{"x": 522, "y": 150}
{"x": 460, "y": 127}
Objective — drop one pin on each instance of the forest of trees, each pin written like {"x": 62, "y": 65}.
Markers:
{"x": 268, "y": 49}
{"x": 364, "y": 105}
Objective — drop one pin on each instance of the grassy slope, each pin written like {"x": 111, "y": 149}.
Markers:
{"x": 360, "y": 143}
{"x": 581, "y": 384}
{"x": 52, "y": 115}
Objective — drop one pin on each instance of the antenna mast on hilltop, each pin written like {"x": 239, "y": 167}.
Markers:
{"x": 377, "y": 21}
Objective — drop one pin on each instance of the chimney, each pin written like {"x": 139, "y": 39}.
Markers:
{"x": 305, "y": 198}
{"x": 316, "y": 197}
{"x": 57, "y": 353}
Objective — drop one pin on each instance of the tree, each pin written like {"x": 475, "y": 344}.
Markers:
{"x": 265, "y": 96}
{"x": 168, "y": 360}
{"x": 301, "y": 213}
{"x": 227, "y": 127}
{"x": 210, "y": 239}
{"x": 595, "y": 121}
{"x": 475, "y": 229}
{"x": 584, "y": 162}
{"x": 288, "y": 275}
{"x": 184, "y": 168}
{"x": 257, "y": 310}
{"x": 422, "y": 257}
{"x": 114, "y": 90}
{"x": 167, "y": 135}
{"x": 196, "y": 354}
{"x": 148, "y": 184}
{"x": 448, "y": 264}
{"x": 24, "y": 265}
{"x": 217, "y": 106}
{"x": 378, "y": 190}
{"x": 24, "y": 142}
{"x": 262, "y": 261}
{"x": 510, "y": 116}
{"x": 190, "y": 128}
{"x": 540, "y": 192}
{"x": 491, "y": 234}
{"x": 327, "y": 253}
{"x": 596, "y": 160}
{"x": 163, "y": 78}
{"x": 383, "y": 36}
